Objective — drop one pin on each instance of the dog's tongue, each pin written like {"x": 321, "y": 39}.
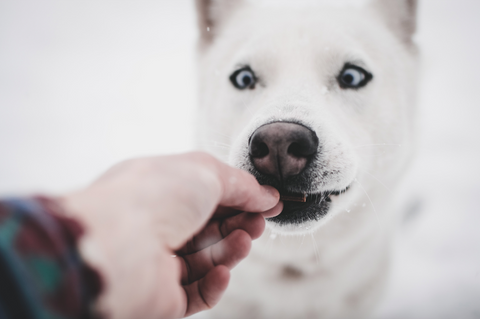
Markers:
{"x": 301, "y": 198}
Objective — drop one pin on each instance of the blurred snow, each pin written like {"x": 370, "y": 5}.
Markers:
{"x": 85, "y": 84}
{"x": 436, "y": 267}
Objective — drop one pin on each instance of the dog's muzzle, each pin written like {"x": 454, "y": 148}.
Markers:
{"x": 282, "y": 155}
{"x": 280, "y": 152}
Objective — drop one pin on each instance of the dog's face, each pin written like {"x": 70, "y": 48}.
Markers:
{"x": 312, "y": 100}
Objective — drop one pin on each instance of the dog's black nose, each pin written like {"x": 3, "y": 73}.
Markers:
{"x": 282, "y": 149}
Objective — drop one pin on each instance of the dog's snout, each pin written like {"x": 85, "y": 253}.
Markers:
{"x": 282, "y": 149}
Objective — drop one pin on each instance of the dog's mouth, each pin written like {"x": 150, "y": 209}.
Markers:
{"x": 301, "y": 208}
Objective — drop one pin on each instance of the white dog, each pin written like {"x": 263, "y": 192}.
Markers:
{"x": 316, "y": 99}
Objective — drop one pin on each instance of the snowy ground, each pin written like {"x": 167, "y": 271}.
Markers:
{"x": 84, "y": 84}
{"x": 437, "y": 263}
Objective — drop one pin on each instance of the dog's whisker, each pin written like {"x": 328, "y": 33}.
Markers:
{"x": 219, "y": 133}
{"x": 268, "y": 246}
{"x": 301, "y": 242}
{"x": 376, "y": 154}
{"x": 378, "y": 180}
{"x": 373, "y": 206}
{"x": 216, "y": 144}
{"x": 315, "y": 248}
{"x": 346, "y": 216}
{"x": 213, "y": 142}
{"x": 380, "y": 144}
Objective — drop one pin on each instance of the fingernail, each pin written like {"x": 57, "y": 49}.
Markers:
{"x": 272, "y": 191}
{"x": 273, "y": 211}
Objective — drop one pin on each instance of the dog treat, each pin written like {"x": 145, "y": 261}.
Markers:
{"x": 301, "y": 198}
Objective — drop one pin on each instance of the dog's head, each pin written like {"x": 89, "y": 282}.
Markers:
{"x": 310, "y": 98}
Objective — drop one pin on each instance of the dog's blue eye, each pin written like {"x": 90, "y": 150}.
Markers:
{"x": 353, "y": 77}
{"x": 243, "y": 78}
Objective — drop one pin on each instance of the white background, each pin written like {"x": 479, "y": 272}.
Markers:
{"x": 85, "y": 84}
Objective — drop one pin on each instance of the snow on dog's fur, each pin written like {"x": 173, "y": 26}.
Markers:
{"x": 347, "y": 74}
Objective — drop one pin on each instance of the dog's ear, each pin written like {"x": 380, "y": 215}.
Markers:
{"x": 211, "y": 13}
{"x": 400, "y": 16}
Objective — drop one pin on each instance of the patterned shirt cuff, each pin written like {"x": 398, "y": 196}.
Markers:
{"x": 41, "y": 270}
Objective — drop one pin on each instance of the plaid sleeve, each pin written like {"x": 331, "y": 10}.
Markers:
{"x": 41, "y": 273}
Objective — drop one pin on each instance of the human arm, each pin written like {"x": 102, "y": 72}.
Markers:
{"x": 131, "y": 221}
{"x": 151, "y": 208}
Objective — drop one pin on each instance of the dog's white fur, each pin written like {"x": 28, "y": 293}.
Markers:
{"x": 366, "y": 135}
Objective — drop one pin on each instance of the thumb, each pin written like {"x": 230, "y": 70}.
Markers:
{"x": 202, "y": 188}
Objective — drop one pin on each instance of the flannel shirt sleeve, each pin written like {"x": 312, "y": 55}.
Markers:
{"x": 42, "y": 275}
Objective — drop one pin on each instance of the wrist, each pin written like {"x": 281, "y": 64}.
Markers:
{"x": 124, "y": 245}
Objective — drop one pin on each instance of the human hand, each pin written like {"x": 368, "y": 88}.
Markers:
{"x": 143, "y": 211}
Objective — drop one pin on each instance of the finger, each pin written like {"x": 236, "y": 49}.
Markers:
{"x": 228, "y": 252}
{"x": 225, "y": 212}
{"x": 240, "y": 190}
{"x": 216, "y": 230}
{"x": 206, "y": 292}
{"x": 273, "y": 211}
